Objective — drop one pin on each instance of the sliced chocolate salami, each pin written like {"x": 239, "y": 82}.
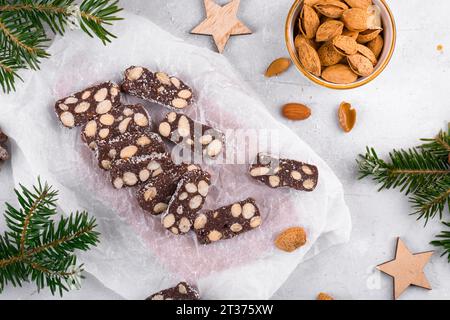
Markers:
{"x": 277, "y": 173}
{"x": 155, "y": 195}
{"x": 187, "y": 200}
{"x": 119, "y": 120}
{"x": 181, "y": 129}
{"x": 128, "y": 145}
{"x": 182, "y": 291}
{"x": 157, "y": 87}
{"x": 227, "y": 222}
{"x": 78, "y": 108}
{"x": 139, "y": 169}
{"x": 4, "y": 155}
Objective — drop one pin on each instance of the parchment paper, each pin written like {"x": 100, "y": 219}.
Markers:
{"x": 136, "y": 257}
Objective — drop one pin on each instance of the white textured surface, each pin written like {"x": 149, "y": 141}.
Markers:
{"x": 407, "y": 102}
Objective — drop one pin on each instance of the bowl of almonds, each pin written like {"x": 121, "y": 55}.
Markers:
{"x": 340, "y": 44}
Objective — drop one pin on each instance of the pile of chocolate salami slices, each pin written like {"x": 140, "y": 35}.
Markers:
{"x": 136, "y": 156}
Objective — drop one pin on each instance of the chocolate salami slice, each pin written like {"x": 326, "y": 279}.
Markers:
{"x": 78, "y": 108}
{"x": 4, "y": 155}
{"x": 187, "y": 200}
{"x": 139, "y": 169}
{"x": 155, "y": 195}
{"x": 227, "y": 222}
{"x": 157, "y": 87}
{"x": 182, "y": 291}
{"x": 277, "y": 173}
{"x": 119, "y": 120}
{"x": 181, "y": 129}
{"x": 128, "y": 145}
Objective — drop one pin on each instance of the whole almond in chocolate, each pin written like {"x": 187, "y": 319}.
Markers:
{"x": 187, "y": 200}
{"x": 140, "y": 169}
{"x": 193, "y": 135}
{"x": 118, "y": 121}
{"x": 157, "y": 87}
{"x": 227, "y": 222}
{"x": 78, "y": 108}
{"x": 155, "y": 195}
{"x": 128, "y": 145}
{"x": 278, "y": 173}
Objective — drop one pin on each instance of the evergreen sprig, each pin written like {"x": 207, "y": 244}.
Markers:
{"x": 36, "y": 247}
{"x": 23, "y": 39}
{"x": 422, "y": 172}
{"x": 443, "y": 241}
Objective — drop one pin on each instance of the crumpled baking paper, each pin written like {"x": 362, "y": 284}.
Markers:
{"x": 136, "y": 257}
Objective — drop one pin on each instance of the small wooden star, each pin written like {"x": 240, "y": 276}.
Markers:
{"x": 221, "y": 23}
{"x": 407, "y": 269}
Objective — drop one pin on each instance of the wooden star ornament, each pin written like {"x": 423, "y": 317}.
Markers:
{"x": 221, "y": 22}
{"x": 407, "y": 269}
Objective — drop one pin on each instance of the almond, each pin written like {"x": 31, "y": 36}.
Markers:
{"x": 362, "y": 4}
{"x": 296, "y": 111}
{"x": 351, "y": 34}
{"x": 366, "y": 52}
{"x": 328, "y": 55}
{"x": 324, "y": 296}
{"x": 309, "y": 22}
{"x": 291, "y": 239}
{"x": 376, "y": 45}
{"x": 331, "y": 8}
{"x": 360, "y": 65}
{"x": 308, "y": 57}
{"x": 355, "y": 19}
{"x": 345, "y": 45}
{"x": 340, "y": 74}
{"x": 278, "y": 66}
{"x": 328, "y": 30}
{"x": 368, "y": 35}
{"x": 347, "y": 116}
{"x": 374, "y": 17}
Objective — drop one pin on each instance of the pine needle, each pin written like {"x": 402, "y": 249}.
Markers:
{"x": 23, "y": 40}
{"x": 37, "y": 248}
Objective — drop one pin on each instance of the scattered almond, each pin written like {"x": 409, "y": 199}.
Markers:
{"x": 347, "y": 116}
{"x": 277, "y": 67}
{"x": 296, "y": 111}
{"x": 291, "y": 239}
{"x": 324, "y": 296}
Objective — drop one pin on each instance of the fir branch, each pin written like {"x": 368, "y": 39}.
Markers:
{"x": 439, "y": 145}
{"x": 443, "y": 240}
{"x": 22, "y": 30}
{"x": 408, "y": 170}
{"x": 432, "y": 199}
{"x": 39, "y": 249}
{"x": 423, "y": 173}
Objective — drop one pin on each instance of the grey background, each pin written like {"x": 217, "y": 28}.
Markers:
{"x": 407, "y": 102}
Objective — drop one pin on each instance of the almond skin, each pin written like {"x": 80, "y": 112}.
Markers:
{"x": 355, "y": 19}
{"x": 339, "y": 73}
{"x": 296, "y": 111}
{"x": 347, "y": 116}
{"x": 291, "y": 239}
{"x": 376, "y": 45}
{"x": 277, "y": 67}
